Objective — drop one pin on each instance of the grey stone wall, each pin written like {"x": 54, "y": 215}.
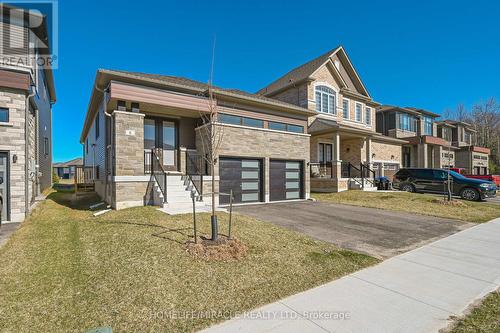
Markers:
{"x": 129, "y": 159}
{"x": 12, "y": 140}
{"x": 265, "y": 144}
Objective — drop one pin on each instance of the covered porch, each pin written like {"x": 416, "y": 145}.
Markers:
{"x": 341, "y": 157}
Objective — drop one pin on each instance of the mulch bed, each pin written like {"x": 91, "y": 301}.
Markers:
{"x": 223, "y": 249}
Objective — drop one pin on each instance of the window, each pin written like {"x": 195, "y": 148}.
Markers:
{"x": 467, "y": 137}
{"x": 345, "y": 108}
{"x": 325, "y": 152}
{"x": 446, "y": 133}
{"x": 277, "y": 126}
{"x": 252, "y": 122}
{"x": 368, "y": 116}
{"x": 325, "y": 100}
{"x": 428, "y": 124}
{"x": 87, "y": 146}
{"x": 295, "y": 128}
{"x": 97, "y": 125}
{"x": 228, "y": 119}
{"x": 46, "y": 146}
{"x": 4, "y": 115}
{"x": 236, "y": 120}
{"x": 407, "y": 122}
{"x": 286, "y": 127}
{"x": 357, "y": 115}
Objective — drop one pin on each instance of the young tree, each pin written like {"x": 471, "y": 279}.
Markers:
{"x": 211, "y": 138}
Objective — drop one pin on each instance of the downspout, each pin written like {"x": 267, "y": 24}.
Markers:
{"x": 109, "y": 146}
{"x": 26, "y": 159}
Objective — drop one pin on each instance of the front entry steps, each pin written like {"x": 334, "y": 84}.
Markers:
{"x": 356, "y": 184}
{"x": 179, "y": 201}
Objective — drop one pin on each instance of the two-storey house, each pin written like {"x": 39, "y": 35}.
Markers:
{"x": 468, "y": 155}
{"x": 344, "y": 142}
{"x": 26, "y": 97}
{"x": 424, "y": 148}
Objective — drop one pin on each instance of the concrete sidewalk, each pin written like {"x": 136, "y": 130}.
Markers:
{"x": 413, "y": 292}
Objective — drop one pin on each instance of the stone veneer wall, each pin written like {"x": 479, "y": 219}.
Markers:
{"x": 387, "y": 152}
{"x": 12, "y": 140}
{"x": 265, "y": 144}
{"x": 129, "y": 161}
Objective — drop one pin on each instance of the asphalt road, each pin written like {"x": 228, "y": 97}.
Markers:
{"x": 379, "y": 233}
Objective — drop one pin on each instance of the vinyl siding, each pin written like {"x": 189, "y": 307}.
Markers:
{"x": 98, "y": 152}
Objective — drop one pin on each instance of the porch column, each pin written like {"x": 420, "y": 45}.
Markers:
{"x": 422, "y": 155}
{"x": 336, "y": 162}
{"x": 368, "y": 150}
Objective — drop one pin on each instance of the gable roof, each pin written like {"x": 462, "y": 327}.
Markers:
{"x": 73, "y": 162}
{"x": 305, "y": 71}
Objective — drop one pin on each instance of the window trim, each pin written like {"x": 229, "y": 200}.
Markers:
{"x": 368, "y": 112}
{"x": 319, "y": 102}
{"x": 348, "y": 108}
{"x": 412, "y": 120}
{"x": 360, "y": 112}
{"x": 324, "y": 155}
{"x": 427, "y": 123}
{"x": 7, "y": 111}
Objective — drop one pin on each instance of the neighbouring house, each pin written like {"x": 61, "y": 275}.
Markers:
{"x": 468, "y": 156}
{"x": 424, "y": 148}
{"x": 344, "y": 143}
{"x": 26, "y": 96}
{"x": 67, "y": 170}
{"x": 143, "y": 135}
{"x": 431, "y": 143}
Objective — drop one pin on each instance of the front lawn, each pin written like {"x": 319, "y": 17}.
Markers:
{"x": 414, "y": 203}
{"x": 485, "y": 318}
{"x": 66, "y": 271}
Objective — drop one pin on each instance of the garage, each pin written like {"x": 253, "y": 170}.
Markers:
{"x": 243, "y": 176}
{"x": 286, "y": 180}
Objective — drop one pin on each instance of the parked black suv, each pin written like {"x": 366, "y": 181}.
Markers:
{"x": 435, "y": 181}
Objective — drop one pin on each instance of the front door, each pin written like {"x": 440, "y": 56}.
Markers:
{"x": 161, "y": 135}
{"x": 4, "y": 183}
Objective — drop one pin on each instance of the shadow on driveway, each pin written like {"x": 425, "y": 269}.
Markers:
{"x": 379, "y": 233}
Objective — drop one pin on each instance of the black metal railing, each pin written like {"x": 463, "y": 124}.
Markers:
{"x": 321, "y": 170}
{"x": 159, "y": 173}
{"x": 368, "y": 174}
{"x": 361, "y": 174}
{"x": 195, "y": 170}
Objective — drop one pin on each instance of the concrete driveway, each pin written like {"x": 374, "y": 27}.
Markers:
{"x": 379, "y": 233}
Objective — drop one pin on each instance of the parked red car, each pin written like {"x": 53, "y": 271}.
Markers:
{"x": 491, "y": 178}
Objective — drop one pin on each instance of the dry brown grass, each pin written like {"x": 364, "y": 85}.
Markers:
{"x": 66, "y": 271}
{"x": 416, "y": 203}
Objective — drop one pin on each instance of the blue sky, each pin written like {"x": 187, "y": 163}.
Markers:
{"x": 427, "y": 54}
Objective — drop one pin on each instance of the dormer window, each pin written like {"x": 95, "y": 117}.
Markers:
{"x": 326, "y": 100}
